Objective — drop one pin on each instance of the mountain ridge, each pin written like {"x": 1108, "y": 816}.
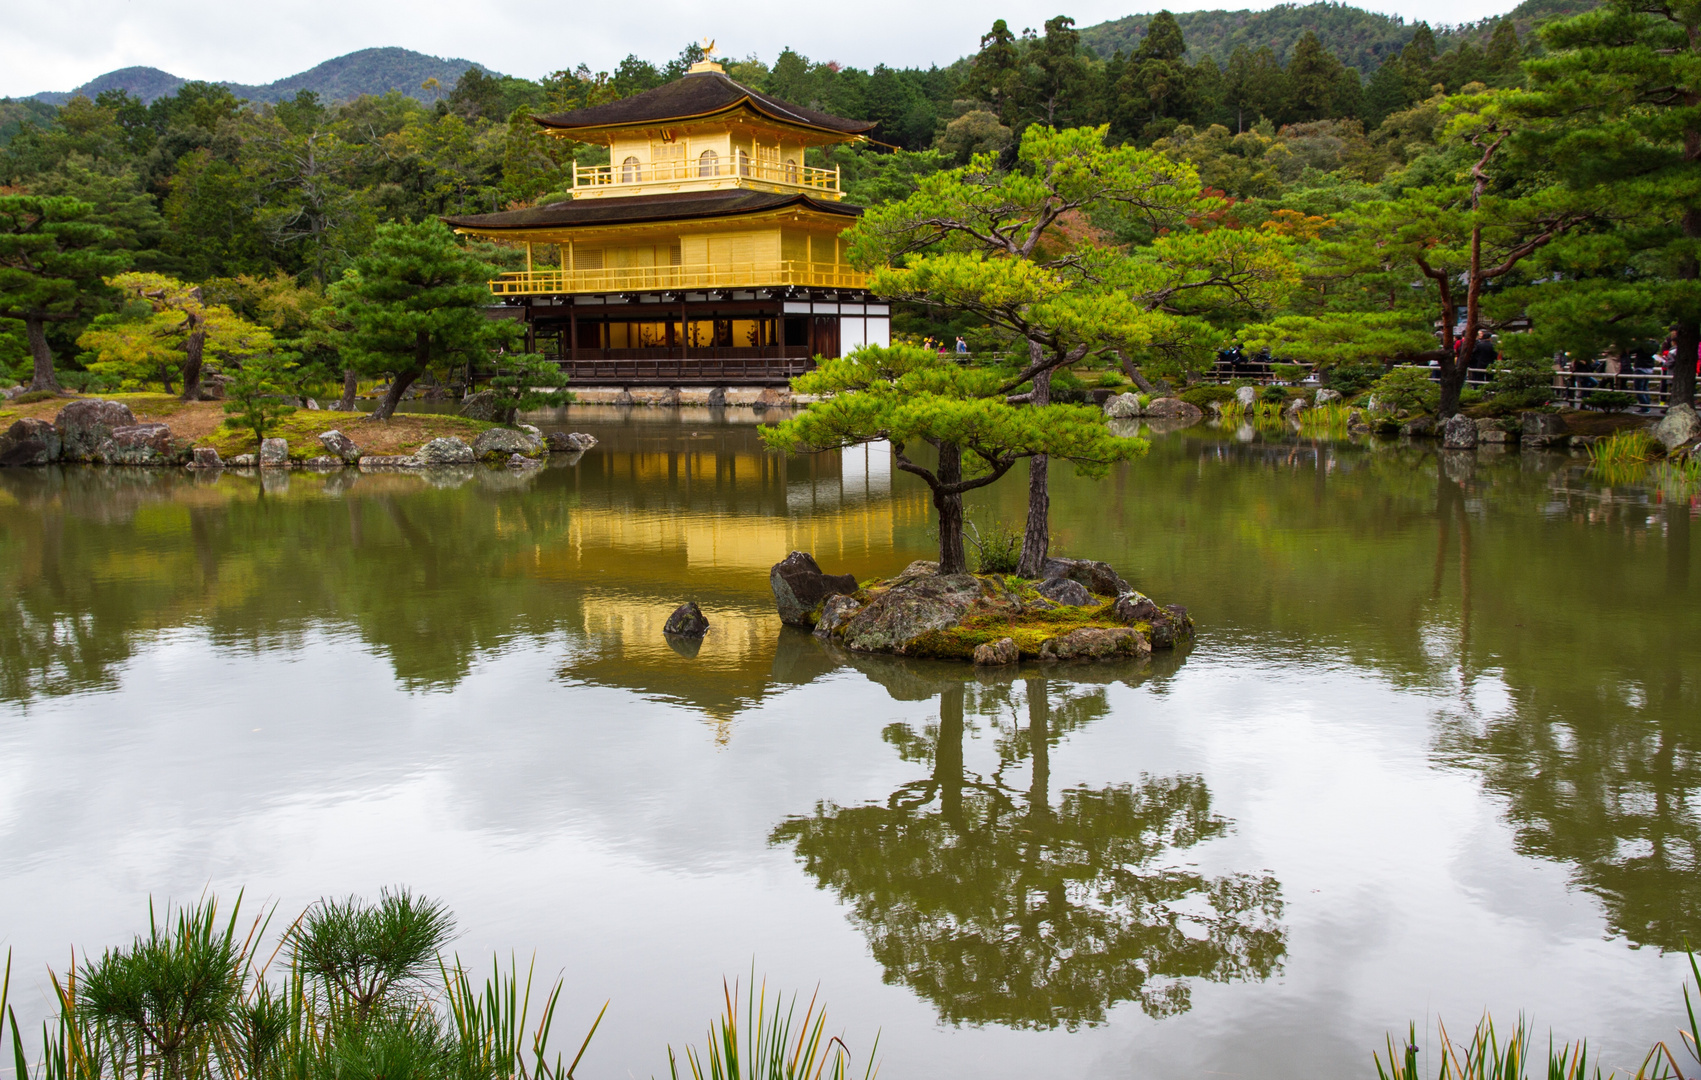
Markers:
{"x": 364, "y": 71}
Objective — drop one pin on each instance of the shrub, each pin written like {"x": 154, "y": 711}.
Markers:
{"x": 1351, "y": 376}
{"x": 1521, "y": 383}
{"x": 1203, "y": 396}
{"x": 1406, "y": 390}
{"x": 1110, "y": 378}
{"x": 1289, "y": 373}
{"x": 1066, "y": 380}
{"x": 1609, "y": 400}
{"x": 998, "y": 551}
{"x": 253, "y": 395}
{"x": 33, "y": 396}
{"x": 1273, "y": 393}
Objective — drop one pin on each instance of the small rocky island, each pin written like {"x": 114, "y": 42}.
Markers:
{"x": 1079, "y": 610}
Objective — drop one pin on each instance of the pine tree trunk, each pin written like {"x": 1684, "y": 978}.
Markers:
{"x": 948, "y": 754}
{"x": 952, "y": 559}
{"x": 393, "y": 396}
{"x": 193, "y": 350}
{"x": 351, "y": 384}
{"x": 44, "y": 378}
{"x": 1036, "y": 538}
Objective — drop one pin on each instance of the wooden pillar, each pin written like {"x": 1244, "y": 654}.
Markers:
{"x": 572, "y": 331}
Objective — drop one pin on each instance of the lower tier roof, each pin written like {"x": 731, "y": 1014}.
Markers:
{"x": 640, "y": 209}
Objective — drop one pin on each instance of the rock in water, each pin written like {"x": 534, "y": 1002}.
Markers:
{"x": 1422, "y": 427}
{"x": 717, "y": 398}
{"x": 274, "y": 453}
{"x": 480, "y": 406}
{"x": 772, "y": 398}
{"x": 84, "y": 425}
{"x": 1170, "y": 625}
{"x": 139, "y": 444}
{"x": 800, "y": 587}
{"x": 1246, "y": 396}
{"x": 502, "y": 443}
{"x": 445, "y": 451}
{"x": 568, "y": 442}
{"x": 1492, "y": 430}
{"x": 1294, "y": 407}
{"x": 1122, "y": 406}
{"x": 1098, "y": 577}
{"x": 1541, "y": 428}
{"x": 339, "y": 444}
{"x": 835, "y": 613}
{"x": 1095, "y": 643}
{"x": 1002, "y": 651}
{"x": 687, "y": 620}
{"x": 1066, "y": 591}
{"x": 1325, "y": 396}
{"x": 30, "y": 442}
{"x": 1169, "y": 408}
{"x": 1678, "y": 426}
{"x": 205, "y": 457}
{"x": 1459, "y": 433}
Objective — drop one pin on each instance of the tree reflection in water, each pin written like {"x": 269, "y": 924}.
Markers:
{"x": 999, "y": 906}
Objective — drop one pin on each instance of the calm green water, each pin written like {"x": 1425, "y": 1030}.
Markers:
{"x": 1434, "y": 751}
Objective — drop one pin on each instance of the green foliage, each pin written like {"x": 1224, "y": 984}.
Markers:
{"x": 1405, "y": 390}
{"x": 998, "y": 550}
{"x": 30, "y": 397}
{"x": 1610, "y": 400}
{"x": 166, "y": 1004}
{"x": 1521, "y": 382}
{"x": 53, "y": 262}
{"x": 254, "y": 394}
{"x": 413, "y": 302}
{"x": 1351, "y": 376}
{"x": 1203, "y": 396}
{"x": 366, "y": 955}
{"x": 523, "y": 381}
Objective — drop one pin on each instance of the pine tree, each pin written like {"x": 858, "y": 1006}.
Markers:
{"x": 1312, "y": 75}
{"x": 53, "y": 262}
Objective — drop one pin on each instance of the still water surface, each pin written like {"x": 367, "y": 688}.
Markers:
{"x": 1434, "y": 751}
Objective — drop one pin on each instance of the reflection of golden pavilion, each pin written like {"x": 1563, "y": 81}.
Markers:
{"x": 706, "y": 252}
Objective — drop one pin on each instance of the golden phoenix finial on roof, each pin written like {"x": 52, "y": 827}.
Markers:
{"x": 708, "y": 47}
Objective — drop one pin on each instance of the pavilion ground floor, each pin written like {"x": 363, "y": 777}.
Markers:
{"x": 748, "y": 337}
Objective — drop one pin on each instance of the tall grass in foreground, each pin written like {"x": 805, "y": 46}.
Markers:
{"x": 364, "y": 995}
{"x": 1486, "y": 1057}
{"x": 766, "y": 1049}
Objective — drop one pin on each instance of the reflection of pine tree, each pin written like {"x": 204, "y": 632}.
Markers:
{"x": 998, "y": 906}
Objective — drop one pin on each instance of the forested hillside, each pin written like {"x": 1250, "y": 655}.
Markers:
{"x": 368, "y": 71}
{"x": 265, "y": 204}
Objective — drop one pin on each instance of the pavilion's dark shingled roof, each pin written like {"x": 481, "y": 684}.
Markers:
{"x": 697, "y": 95}
{"x": 636, "y": 209}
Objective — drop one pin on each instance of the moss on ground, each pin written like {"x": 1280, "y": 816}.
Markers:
{"x": 1021, "y": 617}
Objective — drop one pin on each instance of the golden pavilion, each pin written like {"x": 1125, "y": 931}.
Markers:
{"x": 706, "y": 252}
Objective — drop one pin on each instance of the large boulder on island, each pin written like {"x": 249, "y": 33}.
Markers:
{"x": 84, "y": 425}
{"x": 480, "y": 406}
{"x": 1068, "y": 591}
{"x": 447, "y": 450}
{"x": 1169, "y": 408}
{"x": 568, "y": 442}
{"x": 897, "y": 618}
{"x": 274, "y": 453}
{"x": 499, "y": 444}
{"x": 1122, "y": 406}
{"x": 1678, "y": 426}
{"x": 800, "y": 587}
{"x": 29, "y": 442}
{"x": 1098, "y": 577}
{"x": 997, "y": 653}
{"x": 1096, "y": 643}
{"x": 1459, "y": 433}
{"x": 340, "y": 445}
{"x": 139, "y": 444}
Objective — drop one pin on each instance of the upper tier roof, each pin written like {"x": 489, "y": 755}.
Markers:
{"x": 639, "y": 209}
{"x": 695, "y": 96}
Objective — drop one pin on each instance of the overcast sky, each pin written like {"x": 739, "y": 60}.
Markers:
{"x": 61, "y": 44}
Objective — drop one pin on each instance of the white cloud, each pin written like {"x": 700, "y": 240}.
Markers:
{"x": 64, "y": 44}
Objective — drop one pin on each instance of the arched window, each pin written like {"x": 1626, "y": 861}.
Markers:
{"x": 791, "y": 170}
{"x": 708, "y": 163}
{"x": 629, "y": 171}
{"x": 743, "y": 163}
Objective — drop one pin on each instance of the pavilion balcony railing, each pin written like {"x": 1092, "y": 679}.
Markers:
{"x": 657, "y": 278}
{"x": 683, "y": 172}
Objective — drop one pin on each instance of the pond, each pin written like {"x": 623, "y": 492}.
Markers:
{"x": 1434, "y": 751}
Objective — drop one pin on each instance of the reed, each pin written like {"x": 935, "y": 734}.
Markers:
{"x": 1622, "y": 448}
{"x": 1325, "y": 420}
{"x": 766, "y": 1048}
{"x": 1232, "y": 413}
